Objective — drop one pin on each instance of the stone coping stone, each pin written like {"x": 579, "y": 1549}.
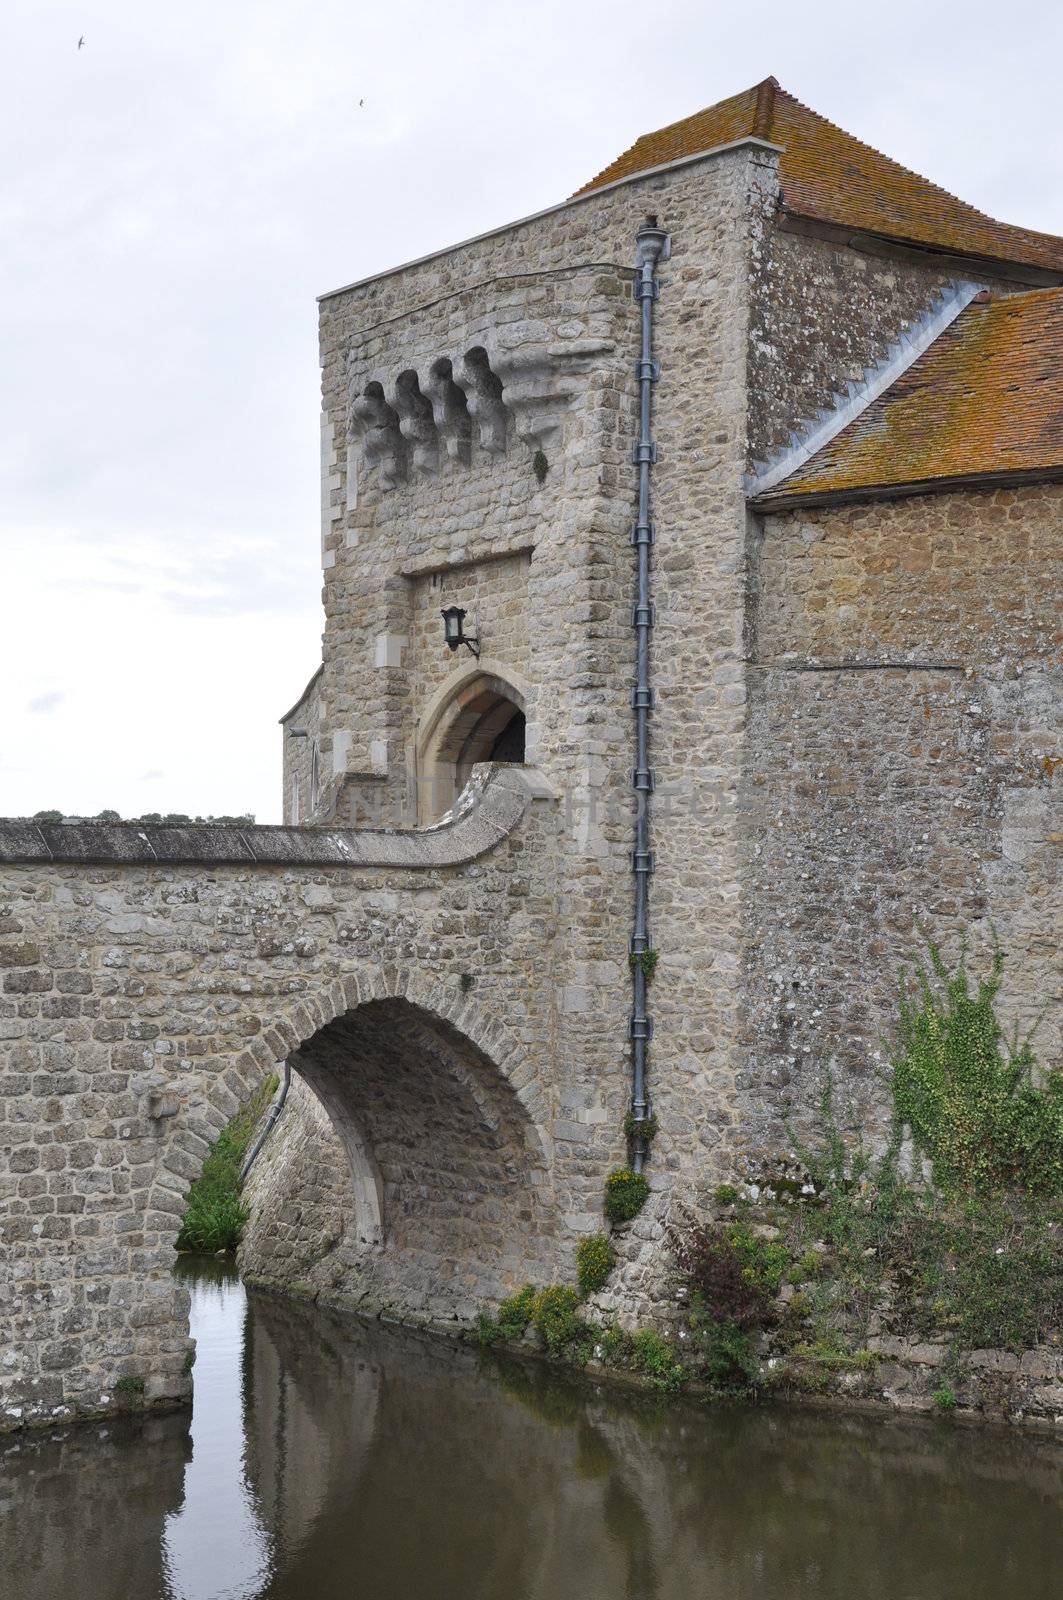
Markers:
{"x": 490, "y": 807}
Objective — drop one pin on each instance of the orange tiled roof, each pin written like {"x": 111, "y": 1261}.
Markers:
{"x": 986, "y": 397}
{"x": 828, "y": 175}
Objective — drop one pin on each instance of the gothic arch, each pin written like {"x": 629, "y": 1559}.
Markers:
{"x": 460, "y": 726}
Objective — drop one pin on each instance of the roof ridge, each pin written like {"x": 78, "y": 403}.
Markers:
{"x": 764, "y": 114}
{"x": 815, "y": 433}
{"x": 828, "y": 174}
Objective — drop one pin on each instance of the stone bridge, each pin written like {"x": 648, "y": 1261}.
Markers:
{"x": 154, "y": 975}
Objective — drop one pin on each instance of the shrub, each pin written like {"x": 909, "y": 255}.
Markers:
{"x": 652, "y": 1356}
{"x": 595, "y": 1258}
{"x": 626, "y": 1193}
{"x": 214, "y": 1217}
{"x": 129, "y": 1387}
{"x": 514, "y": 1316}
{"x": 515, "y": 1313}
{"x": 989, "y": 1272}
{"x": 646, "y": 959}
{"x": 555, "y": 1317}
{"x": 970, "y": 1101}
{"x": 733, "y": 1275}
{"x": 726, "y": 1194}
{"x": 729, "y": 1361}
{"x": 945, "y": 1398}
{"x": 985, "y": 1269}
{"x": 810, "y": 1264}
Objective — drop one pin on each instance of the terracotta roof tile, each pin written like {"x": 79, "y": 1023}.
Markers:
{"x": 828, "y": 175}
{"x": 986, "y": 397}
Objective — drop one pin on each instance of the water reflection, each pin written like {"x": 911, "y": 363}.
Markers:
{"x": 331, "y": 1460}
{"x": 216, "y": 1543}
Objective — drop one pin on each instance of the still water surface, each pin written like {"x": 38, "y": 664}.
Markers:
{"x": 328, "y": 1460}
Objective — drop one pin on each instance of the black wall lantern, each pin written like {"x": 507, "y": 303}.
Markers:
{"x": 454, "y": 630}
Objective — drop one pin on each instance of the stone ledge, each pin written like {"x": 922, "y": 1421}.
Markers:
{"x": 491, "y": 806}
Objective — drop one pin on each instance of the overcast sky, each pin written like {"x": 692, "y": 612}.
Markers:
{"x": 175, "y": 194}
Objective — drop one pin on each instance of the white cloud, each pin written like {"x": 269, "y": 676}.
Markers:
{"x": 42, "y": 704}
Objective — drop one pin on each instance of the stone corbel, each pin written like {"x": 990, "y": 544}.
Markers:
{"x": 540, "y": 381}
{"x": 375, "y": 423}
{"x": 483, "y": 394}
{"x": 416, "y": 422}
{"x": 450, "y": 410}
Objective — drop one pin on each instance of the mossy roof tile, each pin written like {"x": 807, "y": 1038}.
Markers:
{"x": 828, "y": 175}
{"x": 987, "y": 397}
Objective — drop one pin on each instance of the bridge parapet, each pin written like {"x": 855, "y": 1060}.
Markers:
{"x": 490, "y": 806}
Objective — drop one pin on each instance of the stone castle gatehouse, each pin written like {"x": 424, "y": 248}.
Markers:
{"x": 813, "y": 556}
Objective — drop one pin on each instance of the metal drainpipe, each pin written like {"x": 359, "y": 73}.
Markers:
{"x": 274, "y": 1112}
{"x": 654, "y": 245}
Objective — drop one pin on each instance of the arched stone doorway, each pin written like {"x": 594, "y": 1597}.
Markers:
{"x": 479, "y": 715}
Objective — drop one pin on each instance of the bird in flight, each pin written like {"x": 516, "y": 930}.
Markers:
{"x": 361, "y": 102}
{"x": 81, "y": 42}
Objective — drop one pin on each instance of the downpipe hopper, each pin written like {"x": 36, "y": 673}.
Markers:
{"x": 652, "y": 244}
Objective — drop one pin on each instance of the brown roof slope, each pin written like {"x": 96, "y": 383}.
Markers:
{"x": 828, "y": 175}
{"x": 987, "y": 397}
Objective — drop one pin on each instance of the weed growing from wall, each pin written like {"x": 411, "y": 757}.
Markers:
{"x": 214, "y": 1212}
{"x": 626, "y": 1193}
{"x": 595, "y": 1259}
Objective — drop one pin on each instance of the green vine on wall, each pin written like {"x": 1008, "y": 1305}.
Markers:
{"x": 971, "y": 1100}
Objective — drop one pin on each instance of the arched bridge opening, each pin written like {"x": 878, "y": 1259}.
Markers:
{"x": 411, "y": 1177}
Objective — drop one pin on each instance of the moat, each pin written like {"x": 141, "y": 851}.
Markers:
{"x": 327, "y": 1459}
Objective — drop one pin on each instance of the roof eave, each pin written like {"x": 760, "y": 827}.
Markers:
{"x": 302, "y": 698}
{"x": 765, "y": 505}
{"x": 897, "y": 245}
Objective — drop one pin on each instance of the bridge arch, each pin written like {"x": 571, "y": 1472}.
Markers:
{"x": 440, "y": 1123}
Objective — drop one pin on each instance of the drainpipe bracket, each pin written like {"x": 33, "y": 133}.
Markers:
{"x": 643, "y": 453}
{"x": 642, "y": 861}
{"x": 640, "y": 1027}
{"x": 647, "y": 371}
{"x": 643, "y": 779}
{"x": 643, "y": 616}
{"x": 643, "y": 698}
{"x": 643, "y": 533}
{"x": 646, "y": 289}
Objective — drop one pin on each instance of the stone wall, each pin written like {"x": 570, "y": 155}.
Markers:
{"x": 822, "y": 314}
{"x": 906, "y": 724}
{"x": 301, "y": 779}
{"x": 141, "y": 1007}
{"x": 300, "y": 1195}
